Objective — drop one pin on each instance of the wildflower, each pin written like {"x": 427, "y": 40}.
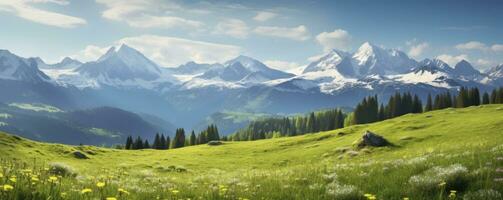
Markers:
{"x": 175, "y": 191}
{"x": 123, "y": 191}
{"x": 34, "y": 179}
{"x": 63, "y": 194}
{"x": 13, "y": 179}
{"x": 452, "y": 195}
{"x": 100, "y": 184}
{"x": 53, "y": 179}
{"x": 406, "y": 198}
{"x": 111, "y": 198}
{"x": 7, "y": 187}
{"x": 86, "y": 190}
{"x": 1, "y": 175}
{"x": 441, "y": 184}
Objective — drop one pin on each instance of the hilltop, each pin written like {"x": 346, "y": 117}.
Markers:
{"x": 465, "y": 138}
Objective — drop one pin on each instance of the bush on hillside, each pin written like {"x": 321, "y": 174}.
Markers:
{"x": 62, "y": 169}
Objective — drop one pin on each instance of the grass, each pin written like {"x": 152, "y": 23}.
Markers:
{"x": 433, "y": 153}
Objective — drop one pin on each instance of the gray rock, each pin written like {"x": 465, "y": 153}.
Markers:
{"x": 373, "y": 140}
{"x": 80, "y": 155}
{"x": 214, "y": 143}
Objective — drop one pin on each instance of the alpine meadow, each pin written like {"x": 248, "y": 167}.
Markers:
{"x": 251, "y": 100}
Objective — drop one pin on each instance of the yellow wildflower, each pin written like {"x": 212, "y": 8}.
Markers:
{"x": 7, "y": 187}
{"x": 123, "y": 191}
{"x": 175, "y": 192}
{"x": 86, "y": 190}
{"x": 1, "y": 175}
{"x": 100, "y": 184}
{"x": 406, "y": 198}
{"x": 34, "y": 179}
{"x": 13, "y": 179}
{"x": 53, "y": 179}
{"x": 111, "y": 198}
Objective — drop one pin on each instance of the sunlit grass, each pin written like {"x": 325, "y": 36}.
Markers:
{"x": 445, "y": 154}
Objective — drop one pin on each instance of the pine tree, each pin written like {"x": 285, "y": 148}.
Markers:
{"x": 192, "y": 139}
{"x": 146, "y": 145}
{"x": 138, "y": 143}
{"x": 485, "y": 98}
{"x": 429, "y": 104}
{"x": 129, "y": 143}
{"x": 162, "y": 142}
{"x": 179, "y": 139}
{"x": 157, "y": 143}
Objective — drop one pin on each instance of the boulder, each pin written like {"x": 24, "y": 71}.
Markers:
{"x": 80, "y": 155}
{"x": 214, "y": 143}
{"x": 373, "y": 140}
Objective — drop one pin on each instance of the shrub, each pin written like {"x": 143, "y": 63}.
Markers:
{"x": 482, "y": 195}
{"x": 343, "y": 192}
{"x": 62, "y": 169}
{"x": 454, "y": 176}
{"x": 214, "y": 143}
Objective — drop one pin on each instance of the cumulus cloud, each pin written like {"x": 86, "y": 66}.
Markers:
{"x": 168, "y": 51}
{"x": 232, "y": 27}
{"x": 146, "y": 13}
{"x": 282, "y": 65}
{"x": 452, "y": 60}
{"x": 263, "y": 16}
{"x": 337, "y": 39}
{"x": 26, "y": 10}
{"x": 417, "y": 50}
{"x": 299, "y": 33}
{"x": 472, "y": 45}
{"x": 90, "y": 53}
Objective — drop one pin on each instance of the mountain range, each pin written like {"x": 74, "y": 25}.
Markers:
{"x": 191, "y": 93}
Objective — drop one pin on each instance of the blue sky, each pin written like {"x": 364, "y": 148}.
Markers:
{"x": 283, "y": 33}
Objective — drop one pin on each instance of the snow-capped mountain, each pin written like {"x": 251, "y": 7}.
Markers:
{"x": 465, "y": 69}
{"x": 125, "y": 63}
{"x": 496, "y": 72}
{"x": 13, "y": 67}
{"x": 194, "y": 68}
{"x": 370, "y": 59}
{"x": 65, "y": 63}
{"x": 242, "y": 70}
{"x": 436, "y": 63}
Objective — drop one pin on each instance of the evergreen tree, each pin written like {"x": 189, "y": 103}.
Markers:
{"x": 157, "y": 142}
{"x": 179, "y": 139}
{"x": 129, "y": 143}
{"x": 192, "y": 139}
{"x": 146, "y": 145}
{"x": 162, "y": 142}
{"x": 138, "y": 143}
{"x": 485, "y": 98}
{"x": 429, "y": 104}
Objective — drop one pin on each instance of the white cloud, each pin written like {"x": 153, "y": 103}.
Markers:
{"x": 172, "y": 51}
{"x": 338, "y": 39}
{"x": 472, "y": 45}
{"x": 232, "y": 27}
{"x": 452, "y": 60}
{"x": 497, "y": 47}
{"x": 168, "y": 51}
{"x": 299, "y": 33}
{"x": 263, "y": 16}
{"x": 417, "y": 50}
{"x": 147, "y": 13}
{"x": 484, "y": 63}
{"x": 90, "y": 53}
{"x": 25, "y": 10}
{"x": 282, "y": 65}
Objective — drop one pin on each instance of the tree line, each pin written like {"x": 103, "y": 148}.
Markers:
{"x": 291, "y": 126}
{"x": 179, "y": 140}
{"x": 367, "y": 111}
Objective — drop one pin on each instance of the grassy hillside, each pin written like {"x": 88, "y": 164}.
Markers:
{"x": 432, "y": 154}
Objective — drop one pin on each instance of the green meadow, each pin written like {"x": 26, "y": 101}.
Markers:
{"x": 443, "y": 154}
